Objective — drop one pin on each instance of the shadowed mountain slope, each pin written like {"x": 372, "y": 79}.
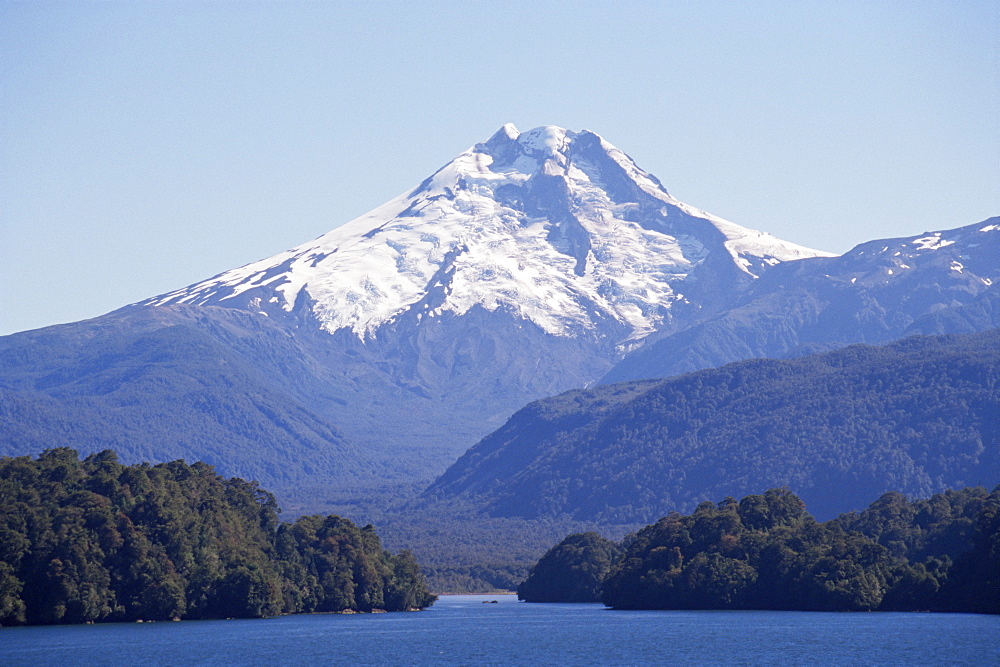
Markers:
{"x": 916, "y": 416}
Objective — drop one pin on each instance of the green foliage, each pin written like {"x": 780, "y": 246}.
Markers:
{"x": 918, "y": 416}
{"x": 571, "y": 571}
{"x": 95, "y": 540}
{"x": 973, "y": 583}
{"x": 767, "y": 552}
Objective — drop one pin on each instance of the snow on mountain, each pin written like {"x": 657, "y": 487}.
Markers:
{"x": 932, "y": 283}
{"x": 968, "y": 250}
{"x": 557, "y": 227}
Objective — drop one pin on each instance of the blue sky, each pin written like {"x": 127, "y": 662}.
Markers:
{"x": 145, "y": 146}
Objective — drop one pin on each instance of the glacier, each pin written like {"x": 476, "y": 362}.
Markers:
{"x": 556, "y": 227}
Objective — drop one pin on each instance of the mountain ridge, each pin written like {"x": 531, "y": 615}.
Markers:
{"x": 879, "y": 291}
{"x": 918, "y": 416}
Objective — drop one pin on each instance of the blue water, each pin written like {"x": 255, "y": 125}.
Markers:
{"x": 461, "y": 630}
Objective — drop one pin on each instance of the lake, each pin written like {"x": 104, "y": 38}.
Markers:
{"x": 461, "y": 629}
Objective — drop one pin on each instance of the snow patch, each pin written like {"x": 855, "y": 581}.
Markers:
{"x": 933, "y": 242}
{"x": 548, "y": 140}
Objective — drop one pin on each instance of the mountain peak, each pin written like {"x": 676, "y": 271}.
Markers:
{"x": 509, "y": 130}
{"x": 552, "y": 226}
{"x": 526, "y": 152}
{"x": 547, "y": 141}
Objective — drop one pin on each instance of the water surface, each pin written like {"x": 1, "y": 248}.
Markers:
{"x": 462, "y": 630}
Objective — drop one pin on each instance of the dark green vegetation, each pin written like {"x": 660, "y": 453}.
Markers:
{"x": 920, "y": 415}
{"x": 463, "y": 552}
{"x": 767, "y": 552}
{"x": 94, "y": 540}
{"x": 572, "y": 571}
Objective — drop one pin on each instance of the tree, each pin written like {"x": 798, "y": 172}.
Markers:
{"x": 571, "y": 571}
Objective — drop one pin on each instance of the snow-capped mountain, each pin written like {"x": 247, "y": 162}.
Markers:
{"x": 931, "y": 283}
{"x": 361, "y": 364}
{"x": 554, "y": 227}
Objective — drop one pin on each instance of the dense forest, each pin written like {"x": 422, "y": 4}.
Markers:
{"x": 572, "y": 571}
{"x": 767, "y": 552}
{"x": 94, "y": 540}
{"x": 919, "y": 416}
{"x": 465, "y": 552}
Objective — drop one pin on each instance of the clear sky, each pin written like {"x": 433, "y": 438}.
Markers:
{"x": 148, "y": 145}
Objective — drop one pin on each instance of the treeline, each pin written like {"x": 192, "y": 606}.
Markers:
{"x": 95, "y": 540}
{"x": 767, "y": 552}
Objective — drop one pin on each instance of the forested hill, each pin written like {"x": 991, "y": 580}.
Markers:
{"x": 94, "y": 540}
{"x": 181, "y": 383}
{"x": 767, "y": 552}
{"x": 918, "y": 416}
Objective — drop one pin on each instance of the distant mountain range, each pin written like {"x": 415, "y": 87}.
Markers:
{"x": 919, "y": 416}
{"x": 355, "y": 368}
{"x": 932, "y": 283}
